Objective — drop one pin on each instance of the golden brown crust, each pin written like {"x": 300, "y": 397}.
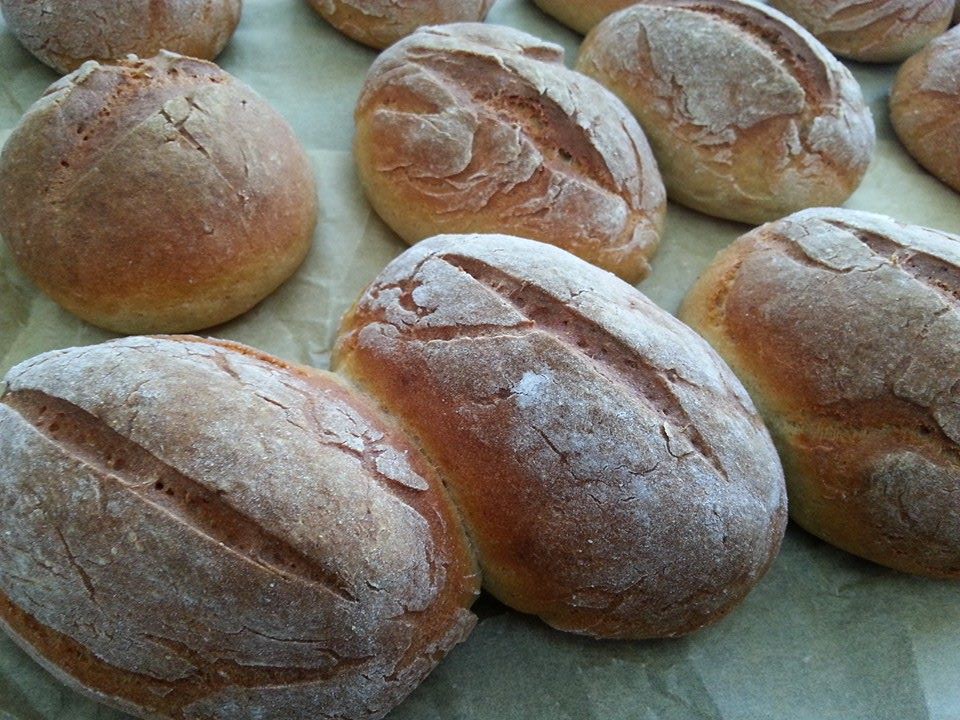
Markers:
{"x": 481, "y": 128}
{"x": 871, "y": 31}
{"x": 925, "y": 107}
{"x": 379, "y": 23}
{"x": 581, "y": 15}
{"x": 66, "y": 33}
{"x": 155, "y": 195}
{"x": 845, "y": 327}
{"x": 749, "y": 116}
{"x": 611, "y": 472}
{"x": 194, "y": 530}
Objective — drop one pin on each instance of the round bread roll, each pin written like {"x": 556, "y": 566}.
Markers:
{"x": 612, "y": 473}
{"x": 749, "y": 116}
{"x": 481, "y": 128}
{"x": 845, "y": 327}
{"x": 66, "y": 33}
{"x": 379, "y": 23}
{"x": 871, "y": 31}
{"x": 156, "y": 195}
{"x": 925, "y": 107}
{"x": 581, "y": 15}
{"x": 198, "y": 531}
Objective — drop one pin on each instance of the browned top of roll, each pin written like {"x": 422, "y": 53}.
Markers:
{"x": 846, "y": 327}
{"x": 925, "y": 107}
{"x": 197, "y": 530}
{"x": 482, "y": 128}
{"x": 611, "y": 471}
{"x": 749, "y": 115}
{"x": 380, "y": 23}
{"x": 581, "y": 15}
{"x": 158, "y": 194}
{"x": 871, "y": 30}
{"x": 66, "y": 33}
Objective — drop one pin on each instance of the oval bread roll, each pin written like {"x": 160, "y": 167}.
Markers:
{"x": 581, "y": 15}
{"x": 66, "y": 33}
{"x": 845, "y": 328}
{"x": 872, "y": 31}
{"x": 195, "y": 530}
{"x": 379, "y": 23}
{"x": 481, "y": 128}
{"x": 925, "y": 107}
{"x": 156, "y": 195}
{"x": 749, "y": 116}
{"x": 612, "y": 473}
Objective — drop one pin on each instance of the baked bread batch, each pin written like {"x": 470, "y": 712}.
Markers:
{"x": 481, "y": 128}
{"x": 66, "y": 33}
{"x": 749, "y": 116}
{"x": 196, "y": 530}
{"x": 156, "y": 195}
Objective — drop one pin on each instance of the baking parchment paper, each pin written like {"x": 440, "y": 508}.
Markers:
{"x": 825, "y": 636}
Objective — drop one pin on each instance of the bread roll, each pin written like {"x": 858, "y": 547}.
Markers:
{"x": 845, "y": 328}
{"x": 871, "y": 31}
{"x": 481, "y": 128}
{"x": 749, "y": 116}
{"x": 195, "y": 530}
{"x": 155, "y": 195}
{"x": 66, "y": 33}
{"x": 612, "y": 473}
{"x": 925, "y": 107}
{"x": 379, "y": 23}
{"x": 581, "y": 15}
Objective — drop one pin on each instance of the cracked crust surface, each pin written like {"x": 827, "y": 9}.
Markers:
{"x": 871, "y": 30}
{"x": 481, "y": 128}
{"x": 66, "y": 33}
{"x": 155, "y": 195}
{"x": 845, "y": 328}
{"x": 925, "y": 107}
{"x": 611, "y": 471}
{"x": 749, "y": 116}
{"x": 379, "y": 23}
{"x": 196, "y": 530}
